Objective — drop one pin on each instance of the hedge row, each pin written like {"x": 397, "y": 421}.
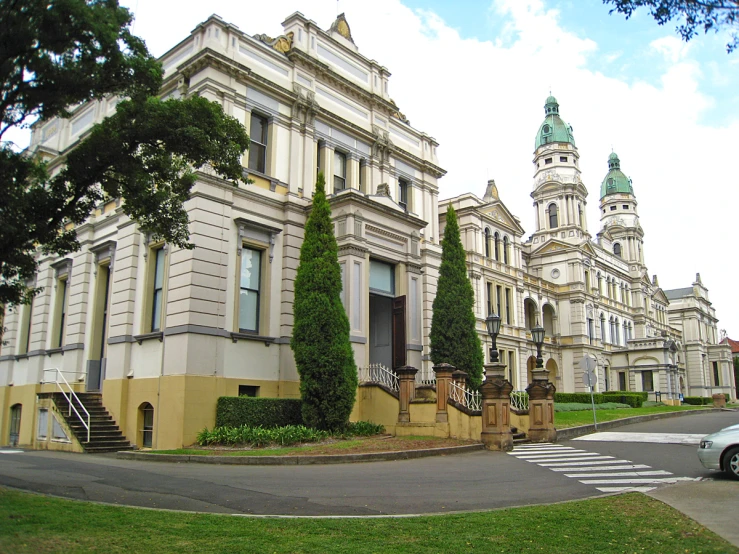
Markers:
{"x": 633, "y": 399}
{"x": 283, "y": 436}
{"x": 698, "y": 400}
{"x": 237, "y": 411}
{"x": 578, "y": 397}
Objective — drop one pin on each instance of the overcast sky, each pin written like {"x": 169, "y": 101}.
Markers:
{"x": 475, "y": 74}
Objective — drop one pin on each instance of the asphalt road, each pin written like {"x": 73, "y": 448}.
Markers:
{"x": 475, "y": 481}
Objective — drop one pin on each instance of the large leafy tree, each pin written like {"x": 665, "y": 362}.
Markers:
{"x": 693, "y": 16}
{"x": 59, "y": 53}
{"x": 453, "y": 337}
{"x": 320, "y": 341}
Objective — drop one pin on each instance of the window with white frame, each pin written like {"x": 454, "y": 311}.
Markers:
{"x": 339, "y": 171}
{"x": 159, "y": 256}
{"x": 403, "y": 187}
{"x": 250, "y": 289}
{"x": 258, "y": 144}
{"x": 43, "y": 423}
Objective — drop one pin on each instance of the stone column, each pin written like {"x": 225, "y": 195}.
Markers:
{"x": 541, "y": 408}
{"x": 496, "y": 409}
{"x": 443, "y": 379}
{"x": 406, "y": 391}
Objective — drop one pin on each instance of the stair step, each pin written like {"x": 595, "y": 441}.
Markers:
{"x": 105, "y": 435}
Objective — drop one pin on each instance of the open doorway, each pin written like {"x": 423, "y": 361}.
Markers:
{"x": 386, "y": 318}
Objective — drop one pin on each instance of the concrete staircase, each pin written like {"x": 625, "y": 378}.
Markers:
{"x": 105, "y": 436}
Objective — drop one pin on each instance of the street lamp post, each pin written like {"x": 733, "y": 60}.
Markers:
{"x": 541, "y": 396}
{"x": 537, "y": 333}
{"x": 492, "y": 322}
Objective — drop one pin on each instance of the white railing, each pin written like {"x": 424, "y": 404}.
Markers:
{"x": 466, "y": 397}
{"x": 69, "y": 395}
{"x": 378, "y": 373}
{"x": 520, "y": 400}
{"x": 429, "y": 380}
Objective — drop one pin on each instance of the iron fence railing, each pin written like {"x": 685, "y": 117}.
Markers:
{"x": 378, "y": 373}
{"x": 520, "y": 400}
{"x": 466, "y": 397}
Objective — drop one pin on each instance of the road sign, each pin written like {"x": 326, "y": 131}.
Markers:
{"x": 589, "y": 378}
{"x": 588, "y": 363}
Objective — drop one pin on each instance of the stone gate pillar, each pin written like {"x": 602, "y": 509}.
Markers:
{"x": 541, "y": 408}
{"x": 406, "y": 391}
{"x": 443, "y": 380}
{"x": 496, "y": 409}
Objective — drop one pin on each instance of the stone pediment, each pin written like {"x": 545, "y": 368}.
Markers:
{"x": 659, "y": 295}
{"x": 551, "y": 246}
{"x": 499, "y": 214}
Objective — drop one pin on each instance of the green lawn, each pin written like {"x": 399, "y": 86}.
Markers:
{"x": 625, "y": 523}
{"x": 563, "y": 420}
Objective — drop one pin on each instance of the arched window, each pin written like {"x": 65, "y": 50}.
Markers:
{"x": 603, "y": 328}
{"x": 146, "y": 424}
{"x": 613, "y": 332}
{"x": 505, "y": 250}
{"x": 496, "y": 246}
{"x": 617, "y": 249}
{"x": 487, "y": 242}
{"x": 579, "y": 213}
{"x": 626, "y": 333}
{"x": 617, "y": 336}
{"x": 553, "y": 224}
{"x": 548, "y": 320}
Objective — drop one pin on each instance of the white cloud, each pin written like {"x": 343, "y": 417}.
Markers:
{"x": 672, "y": 48}
{"x": 483, "y": 101}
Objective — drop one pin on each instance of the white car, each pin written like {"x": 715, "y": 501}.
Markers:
{"x": 721, "y": 451}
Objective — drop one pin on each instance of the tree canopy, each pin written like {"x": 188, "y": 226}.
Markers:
{"x": 55, "y": 55}
{"x": 453, "y": 336}
{"x": 692, "y": 15}
{"x": 320, "y": 341}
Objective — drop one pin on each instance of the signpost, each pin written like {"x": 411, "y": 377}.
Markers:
{"x": 589, "y": 378}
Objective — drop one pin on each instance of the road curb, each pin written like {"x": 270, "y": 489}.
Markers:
{"x": 573, "y": 432}
{"x": 300, "y": 460}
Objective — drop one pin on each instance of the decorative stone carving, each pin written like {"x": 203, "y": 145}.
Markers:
{"x": 283, "y": 43}
{"x": 341, "y": 26}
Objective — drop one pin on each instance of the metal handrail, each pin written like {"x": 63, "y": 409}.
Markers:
{"x": 520, "y": 400}
{"x": 72, "y": 396}
{"x": 466, "y": 397}
{"x": 378, "y": 373}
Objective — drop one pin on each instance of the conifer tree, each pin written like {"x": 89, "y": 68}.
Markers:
{"x": 454, "y": 339}
{"x": 320, "y": 341}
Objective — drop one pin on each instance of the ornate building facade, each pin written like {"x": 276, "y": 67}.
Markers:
{"x": 593, "y": 297}
{"x": 161, "y": 332}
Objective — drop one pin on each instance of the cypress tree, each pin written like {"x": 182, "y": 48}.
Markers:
{"x": 320, "y": 341}
{"x": 453, "y": 337}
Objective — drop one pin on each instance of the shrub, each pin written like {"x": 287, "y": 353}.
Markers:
{"x": 283, "y": 436}
{"x": 363, "y": 429}
{"x": 578, "y": 397}
{"x": 698, "y": 400}
{"x": 320, "y": 340}
{"x": 454, "y": 339}
{"x": 633, "y": 399}
{"x": 232, "y": 411}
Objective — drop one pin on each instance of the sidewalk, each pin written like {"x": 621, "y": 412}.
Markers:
{"x": 714, "y": 504}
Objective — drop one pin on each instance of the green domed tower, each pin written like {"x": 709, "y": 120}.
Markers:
{"x": 559, "y": 194}
{"x": 618, "y": 214}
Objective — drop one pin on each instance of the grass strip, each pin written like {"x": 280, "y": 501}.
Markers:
{"x": 626, "y": 523}
{"x": 563, "y": 420}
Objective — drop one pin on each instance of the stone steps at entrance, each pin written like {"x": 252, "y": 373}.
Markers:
{"x": 105, "y": 436}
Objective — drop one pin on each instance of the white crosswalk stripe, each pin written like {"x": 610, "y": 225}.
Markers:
{"x": 606, "y": 473}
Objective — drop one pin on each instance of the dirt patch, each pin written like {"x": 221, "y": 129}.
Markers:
{"x": 362, "y": 445}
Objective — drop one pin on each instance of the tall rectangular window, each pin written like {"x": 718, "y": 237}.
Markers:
{"x": 363, "y": 176}
{"x": 403, "y": 187}
{"x": 489, "y": 289}
{"x": 339, "y": 171}
{"x": 587, "y": 281}
{"x": 61, "y": 312}
{"x": 498, "y": 294}
{"x": 590, "y": 330}
{"x": 508, "y": 305}
{"x": 512, "y": 365}
{"x": 251, "y": 274}
{"x": 43, "y": 423}
{"x": 647, "y": 380}
{"x": 258, "y": 146}
{"x": 157, "y": 294}
{"x": 26, "y": 321}
{"x": 716, "y": 375}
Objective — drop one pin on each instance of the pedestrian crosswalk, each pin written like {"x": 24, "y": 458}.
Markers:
{"x": 606, "y": 473}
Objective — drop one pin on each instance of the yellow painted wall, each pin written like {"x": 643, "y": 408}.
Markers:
{"x": 520, "y": 422}
{"x": 376, "y": 405}
{"x": 463, "y": 426}
{"x": 183, "y": 404}
{"x": 25, "y": 395}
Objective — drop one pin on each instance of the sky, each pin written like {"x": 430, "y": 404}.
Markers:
{"x": 474, "y": 74}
